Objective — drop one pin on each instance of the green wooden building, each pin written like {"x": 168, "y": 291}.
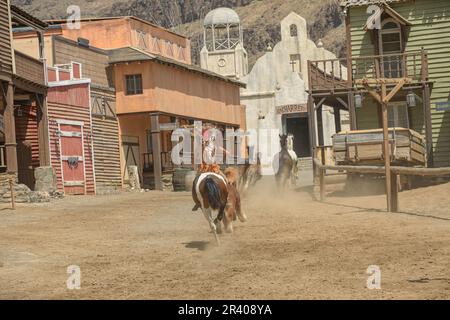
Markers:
{"x": 392, "y": 39}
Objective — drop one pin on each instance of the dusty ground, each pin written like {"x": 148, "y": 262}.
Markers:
{"x": 151, "y": 246}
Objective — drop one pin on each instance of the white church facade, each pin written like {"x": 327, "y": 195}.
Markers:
{"x": 276, "y": 94}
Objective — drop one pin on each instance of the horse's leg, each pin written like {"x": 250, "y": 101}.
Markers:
{"x": 228, "y": 218}
{"x": 209, "y": 217}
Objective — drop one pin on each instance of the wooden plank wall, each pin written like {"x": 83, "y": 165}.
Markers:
{"x": 94, "y": 61}
{"x": 106, "y": 140}
{"x": 27, "y": 134}
{"x": 5, "y": 39}
{"x": 71, "y": 103}
{"x": 430, "y": 29}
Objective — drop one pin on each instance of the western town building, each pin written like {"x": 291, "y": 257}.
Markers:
{"x": 404, "y": 46}
{"x": 276, "y": 87}
{"x": 143, "y": 86}
{"x": 23, "y": 92}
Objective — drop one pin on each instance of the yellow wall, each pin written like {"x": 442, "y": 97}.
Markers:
{"x": 29, "y": 45}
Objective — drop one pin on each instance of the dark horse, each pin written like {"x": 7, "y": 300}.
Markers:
{"x": 285, "y": 163}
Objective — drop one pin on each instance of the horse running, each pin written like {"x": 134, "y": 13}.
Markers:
{"x": 285, "y": 163}
{"x": 210, "y": 193}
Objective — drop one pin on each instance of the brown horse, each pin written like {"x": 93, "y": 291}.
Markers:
{"x": 210, "y": 193}
{"x": 233, "y": 209}
{"x": 249, "y": 175}
{"x": 285, "y": 163}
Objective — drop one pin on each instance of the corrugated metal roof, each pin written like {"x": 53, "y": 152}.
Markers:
{"x": 354, "y": 3}
{"x": 130, "y": 54}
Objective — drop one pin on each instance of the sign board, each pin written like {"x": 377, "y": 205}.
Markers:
{"x": 291, "y": 108}
{"x": 443, "y": 106}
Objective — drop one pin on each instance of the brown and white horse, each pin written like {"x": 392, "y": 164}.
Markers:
{"x": 219, "y": 200}
{"x": 210, "y": 193}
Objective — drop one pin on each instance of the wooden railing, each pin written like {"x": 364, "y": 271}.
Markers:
{"x": 29, "y": 69}
{"x": 333, "y": 75}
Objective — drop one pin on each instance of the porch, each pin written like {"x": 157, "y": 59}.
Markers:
{"x": 355, "y": 84}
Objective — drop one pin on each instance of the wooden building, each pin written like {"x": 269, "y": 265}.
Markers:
{"x": 70, "y": 129}
{"x": 95, "y": 66}
{"x": 23, "y": 102}
{"x": 403, "y": 48}
{"x": 155, "y": 95}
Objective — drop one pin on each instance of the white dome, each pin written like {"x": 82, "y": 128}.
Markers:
{"x": 221, "y": 16}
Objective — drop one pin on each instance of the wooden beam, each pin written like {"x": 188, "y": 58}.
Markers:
{"x": 337, "y": 119}
{"x": 10, "y": 131}
{"x": 387, "y": 149}
{"x": 320, "y": 126}
{"x": 319, "y": 105}
{"x": 342, "y": 102}
{"x": 373, "y": 93}
{"x": 43, "y": 133}
{"x": 428, "y": 125}
{"x": 382, "y": 81}
{"x": 352, "y": 110}
{"x": 156, "y": 145}
{"x": 394, "y": 91}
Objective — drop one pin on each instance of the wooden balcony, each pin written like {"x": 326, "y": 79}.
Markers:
{"x": 332, "y": 75}
{"x": 29, "y": 71}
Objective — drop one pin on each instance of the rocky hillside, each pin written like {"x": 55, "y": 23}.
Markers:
{"x": 260, "y": 18}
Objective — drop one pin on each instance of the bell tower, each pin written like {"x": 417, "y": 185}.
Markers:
{"x": 223, "y": 45}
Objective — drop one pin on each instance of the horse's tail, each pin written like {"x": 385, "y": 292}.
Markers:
{"x": 213, "y": 192}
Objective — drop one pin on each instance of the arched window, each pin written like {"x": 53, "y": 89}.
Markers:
{"x": 391, "y": 44}
{"x": 294, "y": 31}
{"x": 391, "y": 37}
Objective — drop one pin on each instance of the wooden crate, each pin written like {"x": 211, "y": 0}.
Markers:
{"x": 366, "y": 147}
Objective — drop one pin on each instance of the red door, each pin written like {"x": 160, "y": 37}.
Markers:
{"x": 72, "y": 158}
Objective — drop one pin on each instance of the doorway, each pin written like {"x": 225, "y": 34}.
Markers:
{"x": 298, "y": 126}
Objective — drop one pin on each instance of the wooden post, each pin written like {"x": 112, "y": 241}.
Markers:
{"x": 11, "y": 188}
{"x": 43, "y": 136}
{"x": 386, "y": 148}
{"x": 156, "y": 144}
{"x": 320, "y": 126}
{"x": 337, "y": 119}
{"x": 428, "y": 124}
{"x": 394, "y": 187}
{"x": 322, "y": 184}
{"x": 352, "y": 110}
{"x": 312, "y": 123}
{"x": 10, "y": 131}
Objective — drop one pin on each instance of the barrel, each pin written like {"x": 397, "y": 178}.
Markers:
{"x": 179, "y": 179}
{"x": 189, "y": 180}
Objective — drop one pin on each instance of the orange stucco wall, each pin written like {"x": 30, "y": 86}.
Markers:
{"x": 179, "y": 92}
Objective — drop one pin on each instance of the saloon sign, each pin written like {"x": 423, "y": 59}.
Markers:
{"x": 291, "y": 108}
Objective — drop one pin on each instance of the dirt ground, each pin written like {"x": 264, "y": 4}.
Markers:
{"x": 151, "y": 246}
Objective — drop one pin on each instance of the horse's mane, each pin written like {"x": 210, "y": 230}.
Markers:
{"x": 232, "y": 175}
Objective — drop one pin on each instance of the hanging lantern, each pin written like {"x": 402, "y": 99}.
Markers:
{"x": 358, "y": 101}
{"x": 411, "y": 99}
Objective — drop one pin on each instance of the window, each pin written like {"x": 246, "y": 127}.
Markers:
{"x": 134, "y": 84}
{"x": 398, "y": 115}
{"x": 391, "y": 44}
{"x": 294, "y": 30}
{"x": 391, "y": 37}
